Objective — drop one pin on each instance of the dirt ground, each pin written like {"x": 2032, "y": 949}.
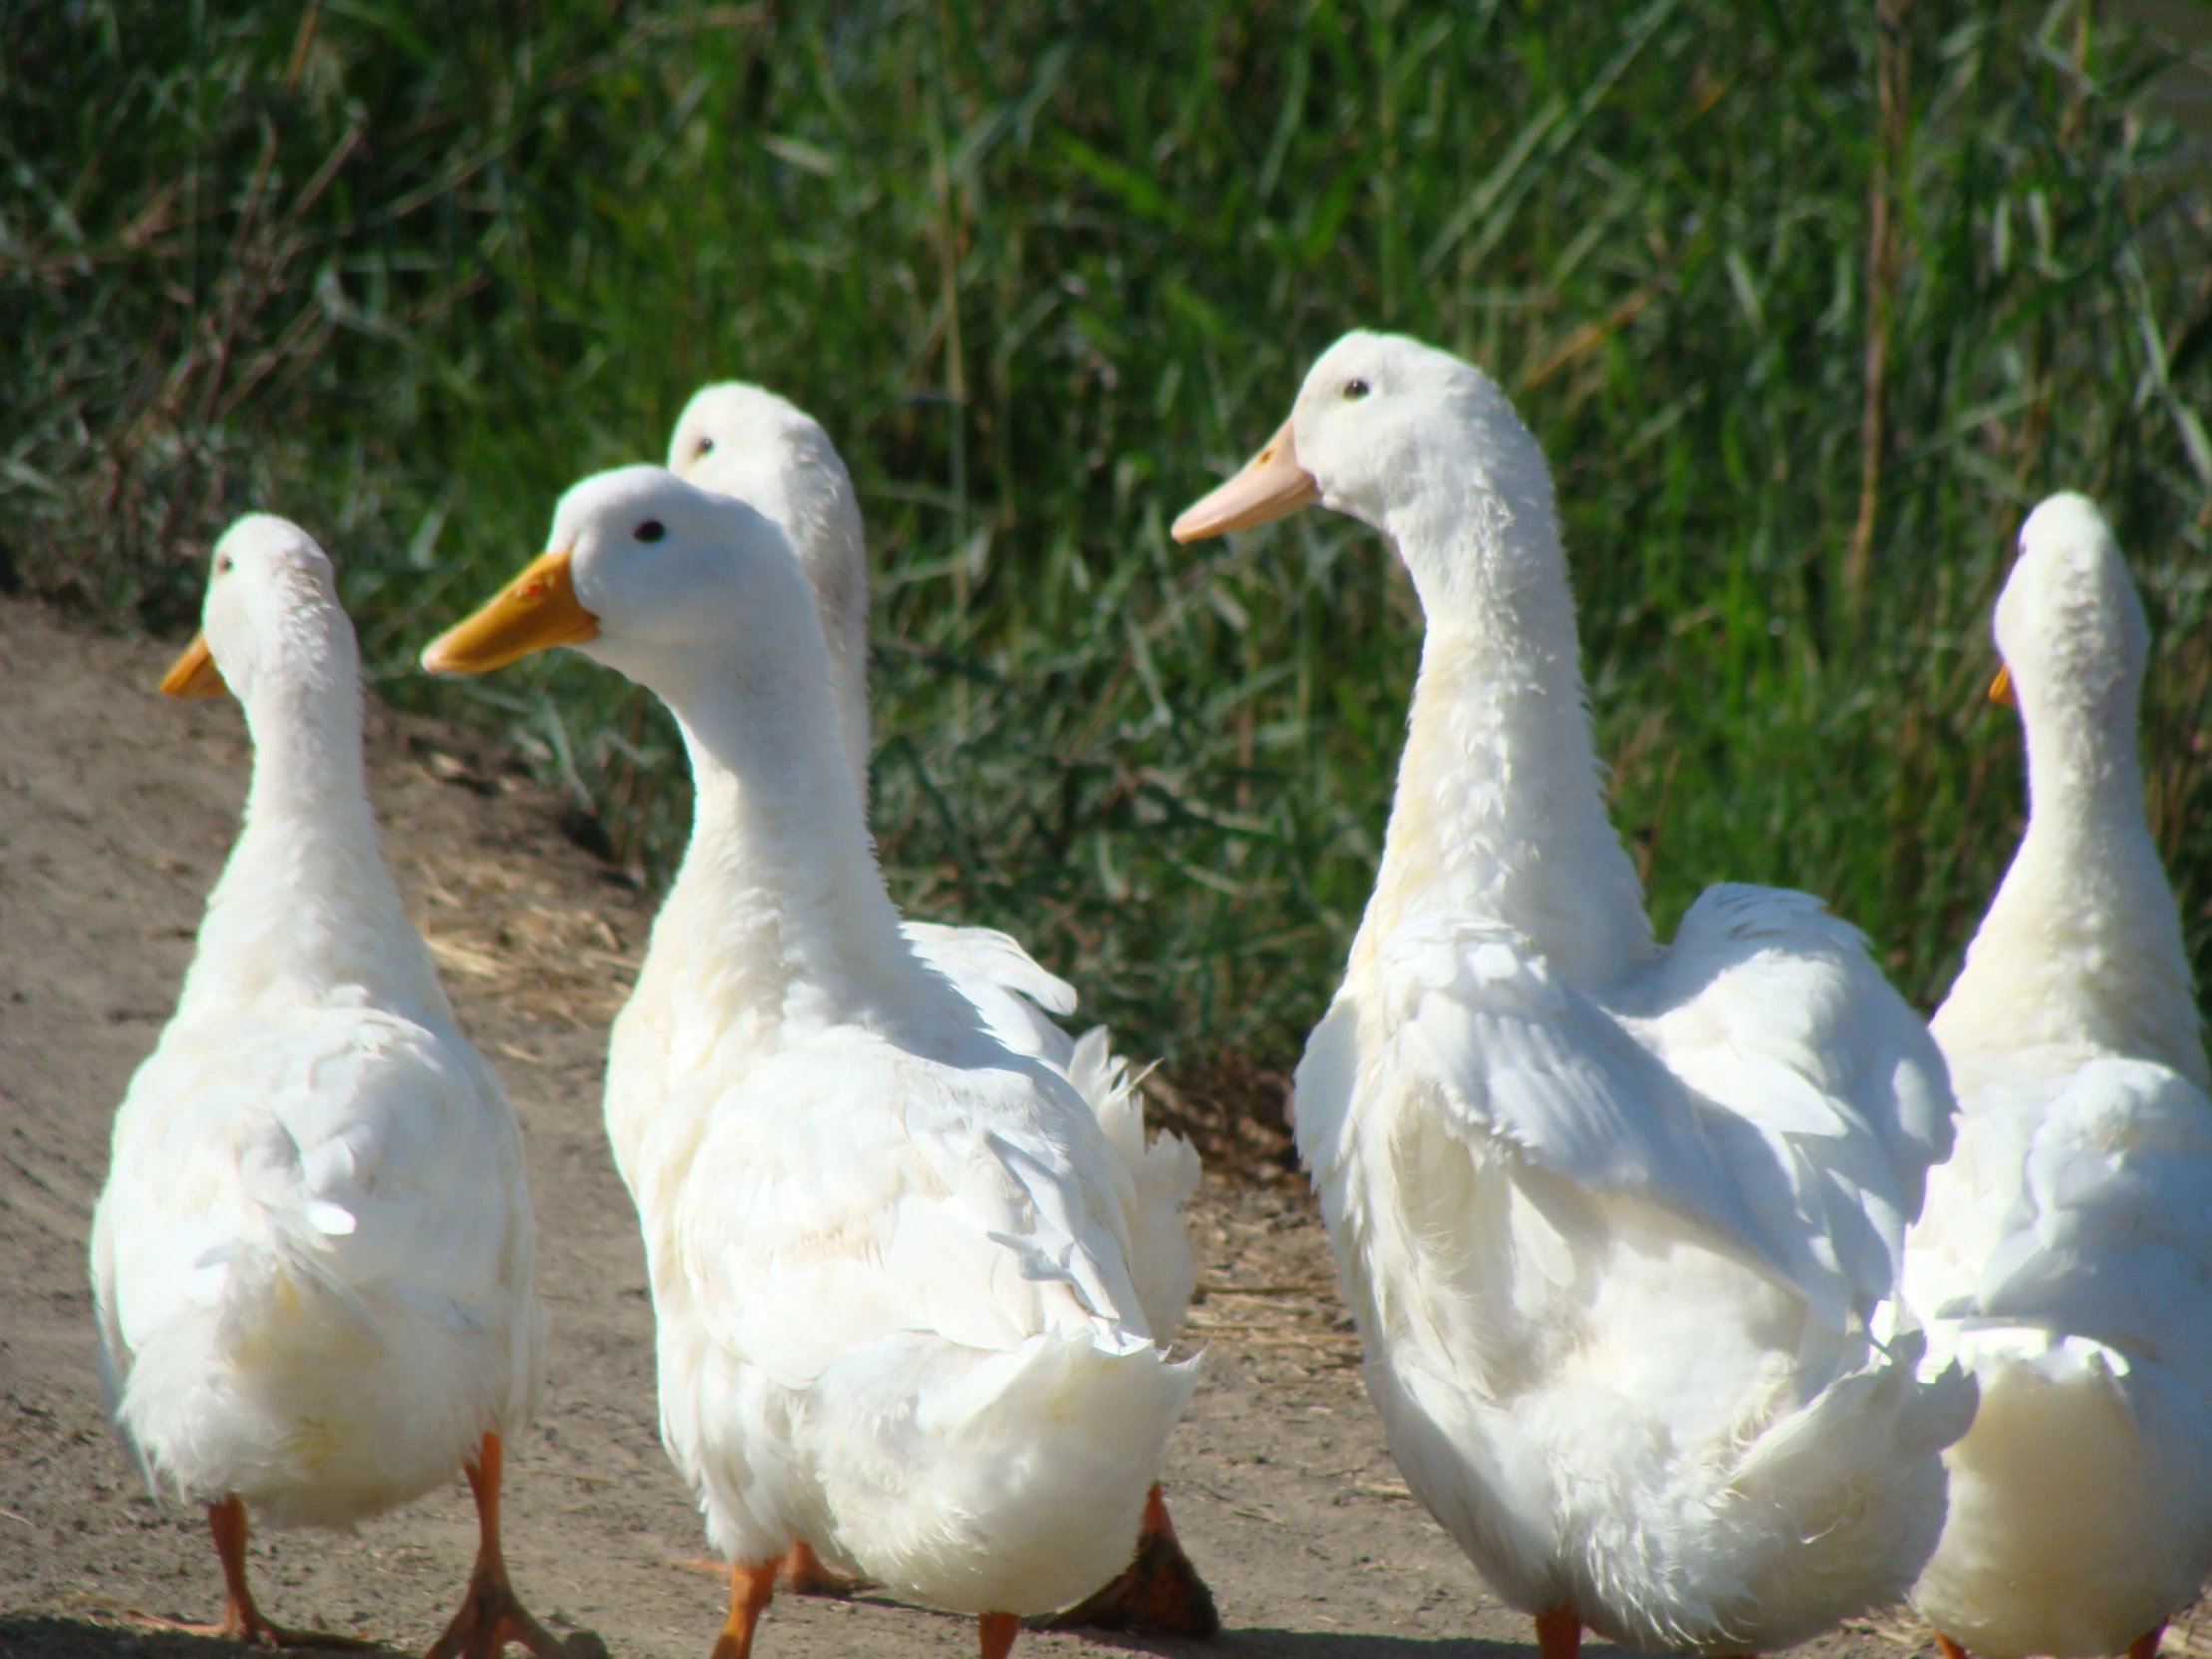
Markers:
{"x": 115, "y": 810}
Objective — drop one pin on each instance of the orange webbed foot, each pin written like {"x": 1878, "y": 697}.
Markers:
{"x": 1159, "y": 1591}
{"x": 995, "y": 1633}
{"x": 1558, "y": 1633}
{"x": 803, "y": 1575}
{"x": 241, "y": 1620}
{"x": 491, "y": 1614}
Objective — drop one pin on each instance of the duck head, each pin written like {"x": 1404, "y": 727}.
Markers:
{"x": 2069, "y": 625}
{"x": 270, "y": 613}
{"x": 1411, "y": 442}
{"x": 645, "y": 573}
{"x": 738, "y": 439}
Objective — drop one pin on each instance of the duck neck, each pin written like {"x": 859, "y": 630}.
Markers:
{"x": 305, "y": 903}
{"x": 778, "y": 917}
{"x": 810, "y": 496}
{"x": 842, "y": 594}
{"x": 1499, "y": 813}
{"x": 2084, "y": 783}
{"x": 2082, "y": 947}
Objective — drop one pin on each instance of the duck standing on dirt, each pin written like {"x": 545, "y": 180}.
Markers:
{"x": 2066, "y": 1251}
{"x": 1615, "y": 1221}
{"x": 894, "y": 1306}
{"x": 745, "y": 442}
{"x": 313, "y": 1259}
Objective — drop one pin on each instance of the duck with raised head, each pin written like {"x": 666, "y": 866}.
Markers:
{"x": 313, "y": 1259}
{"x": 745, "y": 442}
{"x": 1618, "y": 1223}
{"x": 889, "y": 1256}
{"x": 2066, "y": 1251}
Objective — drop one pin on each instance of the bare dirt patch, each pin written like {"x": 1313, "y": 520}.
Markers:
{"x": 115, "y": 810}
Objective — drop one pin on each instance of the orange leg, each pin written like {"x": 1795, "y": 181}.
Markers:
{"x": 2144, "y": 1646}
{"x": 241, "y": 1620}
{"x": 1158, "y": 1591}
{"x": 751, "y": 1583}
{"x": 490, "y": 1615}
{"x": 803, "y": 1575}
{"x": 1949, "y": 1648}
{"x": 996, "y": 1632}
{"x": 1558, "y": 1633}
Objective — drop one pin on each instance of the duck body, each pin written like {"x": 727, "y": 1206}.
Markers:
{"x": 303, "y": 1300}
{"x": 908, "y": 1340}
{"x": 313, "y": 1261}
{"x": 2065, "y": 1255}
{"x": 889, "y": 1256}
{"x": 892, "y": 1305}
{"x": 1617, "y": 1224}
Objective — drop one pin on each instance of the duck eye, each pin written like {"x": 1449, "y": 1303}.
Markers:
{"x": 1355, "y": 391}
{"x": 651, "y": 530}
{"x": 221, "y": 563}
{"x": 706, "y": 446}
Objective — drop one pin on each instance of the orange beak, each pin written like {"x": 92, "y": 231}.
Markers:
{"x": 2001, "y": 689}
{"x": 193, "y": 673}
{"x": 1271, "y": 484}
{"x": 535, "y": 612}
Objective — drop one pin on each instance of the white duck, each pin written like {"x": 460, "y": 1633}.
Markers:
{"x": 313, "y": 1259}
{"x": 744, "y": 441}
{"x": 2066, "y": 1250}
{"x": 889, "y": 1256}
{"x": 1612, "y": 1219}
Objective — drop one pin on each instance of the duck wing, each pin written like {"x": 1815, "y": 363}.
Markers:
{"x": 1699, "y": 1083}
{"x": 1015, "y": 996}
{"x": 364, "y": 1148}
{"x": 320, "y": 1185}
{"x": 1772, "y": 1010}
{"x": 900, "y": 1193}
{"x": 1018, "y": 998}
{"x": 2107, "y": 1224}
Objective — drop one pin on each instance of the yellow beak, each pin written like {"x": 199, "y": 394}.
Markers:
{"x": 193, "y": 673}
{"x": 535, "y": 612}
{"x": 2001, "y": 689}
{"x": 1271, "y": 484}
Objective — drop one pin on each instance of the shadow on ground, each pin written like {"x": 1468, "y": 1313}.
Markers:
{"x": 42, "y": 1636}
{"x": 1261, "y": 1644}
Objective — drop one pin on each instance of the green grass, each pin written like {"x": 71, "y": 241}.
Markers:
{"x": 1045, "y": 268}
